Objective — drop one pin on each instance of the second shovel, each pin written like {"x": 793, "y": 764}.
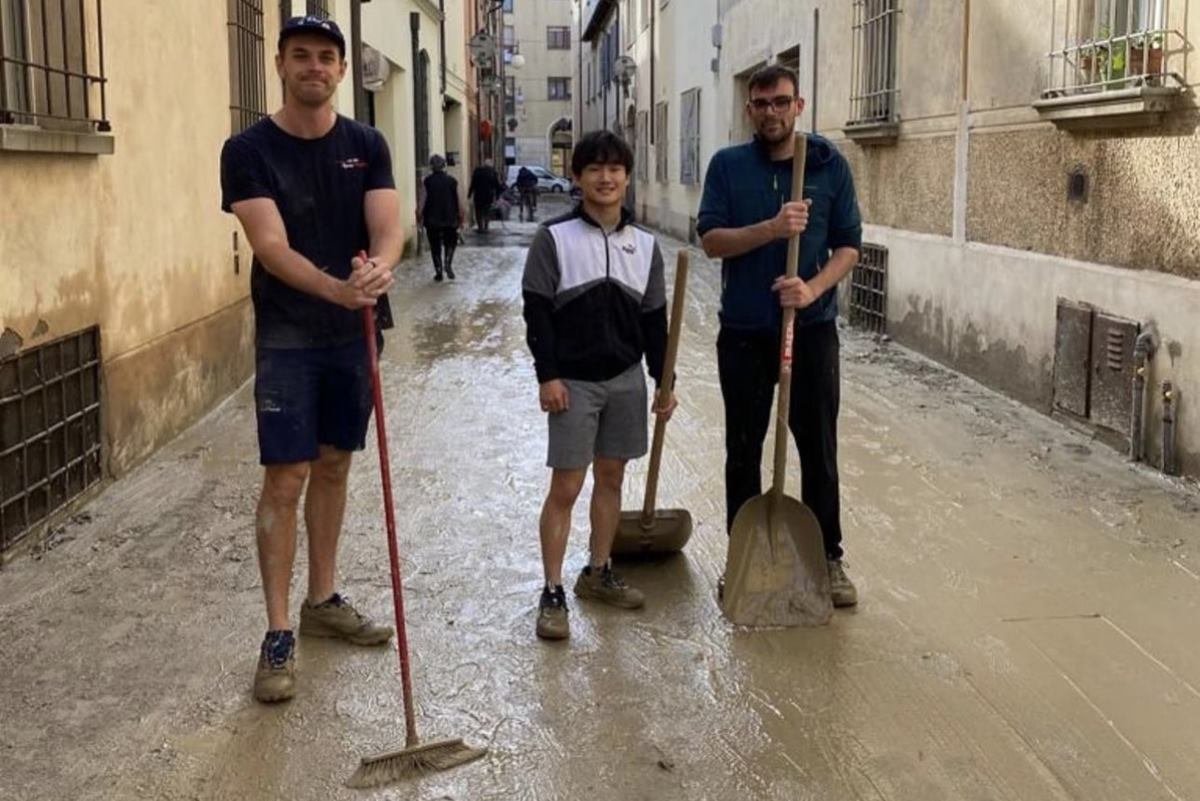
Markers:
{"x": 659, "y": 531}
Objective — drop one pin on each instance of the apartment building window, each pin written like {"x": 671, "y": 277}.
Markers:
{"x": 661, "y": 174}
{"x": 510, "y": 96}
{"x": 508, "y": 6}
{"x": 873, "y": 80}
{"x": 558, "y": 37}
{"x": 317, "y": 8}
{"x": 247, "y": 73}
{"x": 1109, "y": 45}
{"x": 558, "y": 88}
{"x": 642, "y": 145}
{"x": 51, "y": 73}
{"x": 689, "y": 137}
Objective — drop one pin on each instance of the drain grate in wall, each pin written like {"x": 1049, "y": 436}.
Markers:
{"x": 868, "y": 290}
{"x": 49, "y": 430}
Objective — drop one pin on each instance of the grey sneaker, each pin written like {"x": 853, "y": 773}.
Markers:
{"x": 552, "y": 622}
{"x": 840, "y": 587}
{"x": 337, "y": 618}
{"x": 607, "y": 587}
{"x": 275, "y": 678}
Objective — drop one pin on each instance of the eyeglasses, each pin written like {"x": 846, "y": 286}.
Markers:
{"x": 779, "y": 104}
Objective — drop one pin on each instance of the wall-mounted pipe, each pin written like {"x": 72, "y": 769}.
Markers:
{"x": 1143, "y": 350}
{"x": 1170, "y": 402}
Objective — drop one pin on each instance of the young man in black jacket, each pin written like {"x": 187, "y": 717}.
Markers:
{"x": 746, "y": 218}
{"x": 590, "y": 321}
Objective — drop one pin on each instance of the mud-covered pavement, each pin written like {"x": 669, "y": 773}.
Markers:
{"x": 1027, "y": 628}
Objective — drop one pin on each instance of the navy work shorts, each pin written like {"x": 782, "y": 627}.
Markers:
{"x": 305, "y": 397}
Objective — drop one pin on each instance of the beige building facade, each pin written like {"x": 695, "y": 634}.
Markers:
{"x": 1025, "y": 169}
{"x": 126, "y": 312}
{"x": 542, "y": 87}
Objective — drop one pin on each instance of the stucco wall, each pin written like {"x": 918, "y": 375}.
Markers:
{"x": 136, "y": 241}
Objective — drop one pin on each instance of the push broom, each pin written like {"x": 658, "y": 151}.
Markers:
{"x": 415, "y": 758}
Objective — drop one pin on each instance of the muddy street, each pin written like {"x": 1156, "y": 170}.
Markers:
{"x": 1025, "y": 630}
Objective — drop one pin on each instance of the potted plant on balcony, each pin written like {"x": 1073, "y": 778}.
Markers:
{"x": 1146, "y": 56}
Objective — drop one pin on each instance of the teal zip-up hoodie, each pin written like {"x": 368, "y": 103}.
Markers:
{"x": 743, "y": 187}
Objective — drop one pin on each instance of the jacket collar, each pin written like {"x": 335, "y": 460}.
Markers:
{"x": 626, "y": 217}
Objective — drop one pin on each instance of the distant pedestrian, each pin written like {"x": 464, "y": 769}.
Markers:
{"x": 746, "y": 218}
{"x": 595, "y": 306}
{"x": 311, "y": 189}
{"x": 484, "y": 189}
{"x": 442, "y": 214}
{"x": 527, "y": 186}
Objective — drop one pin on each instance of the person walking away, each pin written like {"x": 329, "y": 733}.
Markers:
{"x": 746, "y": 218}
{"x": 595, "y": 306}
{"x": 527, "y": 185}
{"x": 442, "y": 214}
{"x": 484, "y": 189}
{"x": 311, "y": 189}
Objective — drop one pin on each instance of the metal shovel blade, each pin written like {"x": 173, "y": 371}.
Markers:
{"x": 775, "y": 570}
{"x": 666, "y": 532}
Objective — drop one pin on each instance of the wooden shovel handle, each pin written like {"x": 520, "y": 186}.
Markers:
{"x": 668, "y": 384}
{"x": 789, "y": 316}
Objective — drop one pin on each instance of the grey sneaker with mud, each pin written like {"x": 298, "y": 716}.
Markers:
{"x": 338, "y": 619}
{"x": 605, "y": 586}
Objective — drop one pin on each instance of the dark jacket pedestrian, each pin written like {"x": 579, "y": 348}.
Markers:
{"x": 442, "y": 215}
{"x": 484, "y": 189}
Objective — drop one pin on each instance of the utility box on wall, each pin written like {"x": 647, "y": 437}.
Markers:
{"x": 1093, "y": 366}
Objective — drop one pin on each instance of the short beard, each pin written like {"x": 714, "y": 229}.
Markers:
{"x": 784, "y": 132}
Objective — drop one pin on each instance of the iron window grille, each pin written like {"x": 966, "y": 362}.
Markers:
{"x": 247, "y": 71}
{"x": 1108, "y": 45}
{"x": 558, "y": 37}
{"x": 868, "y": 290}
{"x": 49, "y": 430}
{"x": 317, "y": 8}
{"x": 558, "y": 88}
{"x": 873, "y": 77}
{"x": 689, "y": 137}
{"x": 661, "y": 173}
{"x": 47, "y": 49}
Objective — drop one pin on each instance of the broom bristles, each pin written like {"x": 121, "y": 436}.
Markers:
{"x": 408, "y": 763}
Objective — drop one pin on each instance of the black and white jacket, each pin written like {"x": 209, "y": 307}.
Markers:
{"x": 595, "y": 302}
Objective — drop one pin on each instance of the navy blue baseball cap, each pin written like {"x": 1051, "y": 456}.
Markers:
{"x": 316, "y": 26}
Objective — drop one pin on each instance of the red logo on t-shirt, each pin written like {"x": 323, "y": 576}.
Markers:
{"x": 352, "y": 164}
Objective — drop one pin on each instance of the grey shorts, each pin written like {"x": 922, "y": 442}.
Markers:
{"x": 605, "y": 419}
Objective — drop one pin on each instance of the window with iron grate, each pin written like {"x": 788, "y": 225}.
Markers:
{"x": 49, "y": 430}
{"x": 247, "y": 71}
{"x": 51, "y": 72}
{"x": 873, "y": 80}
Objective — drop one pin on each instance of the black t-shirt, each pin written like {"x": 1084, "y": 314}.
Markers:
{"x": 441, "y": 201}
{"x": 319, "y": 186}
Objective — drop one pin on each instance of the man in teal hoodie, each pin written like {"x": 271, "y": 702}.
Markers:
{"x": 746, "y": 218}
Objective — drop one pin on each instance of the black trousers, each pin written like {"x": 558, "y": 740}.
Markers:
{"x": 442, "y": 239}
{"x": 748, "y": 366}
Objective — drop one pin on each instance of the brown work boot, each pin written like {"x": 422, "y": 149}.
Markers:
{"x": 552, "y": 622}
{"x": 603, "y": 585}
{"x": 275, "y": 678}
{"x": 841, "y": 588}
{"x": 337, "y": 618}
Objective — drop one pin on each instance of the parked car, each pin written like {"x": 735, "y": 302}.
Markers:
{"x": 547, "y": 181}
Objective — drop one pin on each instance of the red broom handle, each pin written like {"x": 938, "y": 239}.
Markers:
{"x": 410, "y": 717}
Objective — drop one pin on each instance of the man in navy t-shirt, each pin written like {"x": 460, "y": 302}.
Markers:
{"x": 311, "y": 189}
